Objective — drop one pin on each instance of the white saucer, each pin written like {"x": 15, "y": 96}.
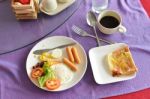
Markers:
{"x": 60, "y": 7}
{"x": 99, "y": 64}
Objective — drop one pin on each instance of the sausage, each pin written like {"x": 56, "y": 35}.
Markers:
{"x": 69, "y": 53}
{"x": 70, "y": 64}
{"x": 76, "y": 55}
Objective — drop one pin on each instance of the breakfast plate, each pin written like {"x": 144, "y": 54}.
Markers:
{"x": 63, "y": 69}
{"x": 60, "y": 7}
{"x": 100, "y": 66}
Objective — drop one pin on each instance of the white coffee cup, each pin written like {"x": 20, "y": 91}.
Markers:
{"x": 119, "y": 28}
{"x": 49, "y": 5}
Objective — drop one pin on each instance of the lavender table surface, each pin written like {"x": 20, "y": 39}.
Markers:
{"x": 14, "y": 83}
{"x": 17, "y": 34}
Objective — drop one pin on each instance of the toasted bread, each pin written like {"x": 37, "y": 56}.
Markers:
{"x": 121, "y": 62}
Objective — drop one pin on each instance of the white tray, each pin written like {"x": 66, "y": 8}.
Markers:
{"x": 60, "y": 7}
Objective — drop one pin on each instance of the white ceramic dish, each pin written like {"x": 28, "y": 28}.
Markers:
{"x": 60, "y": 7}
{"x": 100, "y": 66}
{"x": 51, "y": 42}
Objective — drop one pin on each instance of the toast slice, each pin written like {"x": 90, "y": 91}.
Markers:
{"x": 121, "y": 62}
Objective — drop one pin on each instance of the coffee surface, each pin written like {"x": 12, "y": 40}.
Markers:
{"x": 109, "y": 22}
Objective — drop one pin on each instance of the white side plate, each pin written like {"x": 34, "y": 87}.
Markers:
{"x": 52, "y": 42}
{"x": 100, "y": 66}
{"x": 61, "y": 7}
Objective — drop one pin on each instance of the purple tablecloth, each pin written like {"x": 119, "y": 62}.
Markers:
{"x": 11, "y": 29}
{"x": 14, "y": 83}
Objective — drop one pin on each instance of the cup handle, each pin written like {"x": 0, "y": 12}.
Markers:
{"x": 122, "y": 29}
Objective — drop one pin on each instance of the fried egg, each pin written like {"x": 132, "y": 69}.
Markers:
{"x": 63, "y": 73}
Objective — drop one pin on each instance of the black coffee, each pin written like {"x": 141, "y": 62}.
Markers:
{"x": 109, "y": 22}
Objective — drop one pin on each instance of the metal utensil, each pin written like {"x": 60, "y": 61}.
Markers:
{"x": 91, "y": 20}
{"x": 38, "y": 52}
{"x": 81, "y": 32}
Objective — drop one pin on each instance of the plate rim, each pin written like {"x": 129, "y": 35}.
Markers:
{"x": 76, "y": 82}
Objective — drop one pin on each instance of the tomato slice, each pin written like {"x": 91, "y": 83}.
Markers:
{"x": 37, "y": 72}
{"x": 52, "y": 84}
{"x": 24, "y": 1}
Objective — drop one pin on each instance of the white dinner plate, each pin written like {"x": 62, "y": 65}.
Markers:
{"x": 100, "y": 66}
{"x": 55, "y": 41}
{"x": 60, "y": 7}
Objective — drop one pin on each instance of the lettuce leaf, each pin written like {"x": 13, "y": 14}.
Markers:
{"x": 48, "y": 74}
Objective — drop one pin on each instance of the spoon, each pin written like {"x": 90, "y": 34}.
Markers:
{"x": 91, "y": 20}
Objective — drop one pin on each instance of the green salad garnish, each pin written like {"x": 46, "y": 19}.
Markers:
{"x": 48, "y": 74}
